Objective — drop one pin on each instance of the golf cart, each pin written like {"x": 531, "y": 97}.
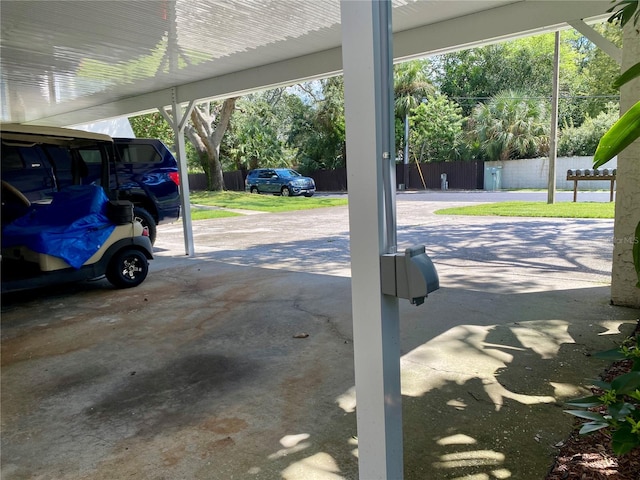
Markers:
{"x": 53, "y": 235}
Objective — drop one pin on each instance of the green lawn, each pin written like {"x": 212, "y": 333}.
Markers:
{"x": 206, "y": 214}
{"x": 272, "y": 203}
{"x": 262, "y": 203}
{"x": 536, "y": 209}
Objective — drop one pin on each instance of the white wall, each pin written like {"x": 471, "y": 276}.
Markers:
{"x": 534, "y": 173}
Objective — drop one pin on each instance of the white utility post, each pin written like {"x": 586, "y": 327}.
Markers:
{"x": 178, "y": 120}
{"x": 368, "y": 85}
{"x": 553, "y": 145}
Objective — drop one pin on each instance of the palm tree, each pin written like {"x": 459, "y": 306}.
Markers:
{"x": 411, "y": 86}
{"x": 510, "y": 125}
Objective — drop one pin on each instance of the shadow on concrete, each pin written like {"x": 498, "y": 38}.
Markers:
{"x": 485, "y": 401}
{"x": 209, "y": 370}
{"x": 477, "y": 255}
{"x": 541, "y": 245}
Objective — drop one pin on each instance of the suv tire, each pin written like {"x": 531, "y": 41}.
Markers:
{"x": 147, "y": 221}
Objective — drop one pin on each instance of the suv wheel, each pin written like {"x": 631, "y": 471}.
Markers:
{"x": 128, "y": 268}
{"x": 285, "y": 192}
{"x": 147, "y": 221}
{"x": 254, "y": 190}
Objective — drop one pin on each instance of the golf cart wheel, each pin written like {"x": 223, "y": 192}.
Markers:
{"x": 147, "y": 221}
{"x": 128, "y": 268}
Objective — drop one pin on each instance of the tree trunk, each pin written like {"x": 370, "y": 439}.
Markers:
{"x": 206, "y": 137}
{"x": 217, "y": 178}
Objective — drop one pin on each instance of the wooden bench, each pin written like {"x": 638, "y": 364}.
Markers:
{"x": 590, "y": 174}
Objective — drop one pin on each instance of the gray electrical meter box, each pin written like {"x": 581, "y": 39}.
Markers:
{"x": 409, "y": 275}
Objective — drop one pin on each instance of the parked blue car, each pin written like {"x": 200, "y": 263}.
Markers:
{"x": 279, "y": 181}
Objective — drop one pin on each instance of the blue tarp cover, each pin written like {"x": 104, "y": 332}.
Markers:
{"x": 72, "y": 227}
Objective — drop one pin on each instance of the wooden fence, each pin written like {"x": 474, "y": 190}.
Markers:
{"x": 233, "y": 181}
{"x": 460, "y": 176}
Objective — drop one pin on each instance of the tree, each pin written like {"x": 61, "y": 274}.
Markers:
{"x": 153, "y": 125}
{"x": 206, "y": 130}
{"x": 525, "y": 64}
{"x": 411, "y": 86}
{"x": 258, "y": 130}
{"x": 317, "y": 125}
{"x": 595, "y": 71}
{"x": 511, "y": 125}
{"x": 476, "y": 75}
{"x": 584, "y": 139}
{"x": 436, "y": 130}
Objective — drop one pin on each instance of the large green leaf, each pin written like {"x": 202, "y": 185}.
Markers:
{"x": 614, "y": 354}
{"x": 585, "y": 402}
{"x": 601, "y": 384}
{"x": 625, "y": 10}
{"x": 586, "y": 414}
{"x": 619, "y": 411}
{"x": 620, "y": 136}
{"x": 626, "y": 383}
{"x": 627, "y": 76}
{"x": 624, "y": 440}
{"x": 592, "y": 427}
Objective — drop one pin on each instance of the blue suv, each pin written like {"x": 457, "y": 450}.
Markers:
{"x": 145, "y": 173}
{"x": 283, "y": 181}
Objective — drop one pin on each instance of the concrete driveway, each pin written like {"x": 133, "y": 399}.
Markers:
{"x": 238, "y": 363}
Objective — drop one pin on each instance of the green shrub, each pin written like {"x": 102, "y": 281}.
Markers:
{"x": 617, "y": 407}
{"x": 583, "y": 140}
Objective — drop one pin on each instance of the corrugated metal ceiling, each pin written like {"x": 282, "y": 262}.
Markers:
{"x": 66, "y": 62}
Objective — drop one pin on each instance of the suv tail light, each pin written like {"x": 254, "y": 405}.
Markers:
{"x": 175, "y": 176}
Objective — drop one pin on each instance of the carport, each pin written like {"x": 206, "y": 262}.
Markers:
{"x": 105, "y": 67}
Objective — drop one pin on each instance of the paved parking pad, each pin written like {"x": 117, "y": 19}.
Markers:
{"x": 238, "y": 363}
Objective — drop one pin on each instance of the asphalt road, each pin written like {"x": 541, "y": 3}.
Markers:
{"x": 318, "y": 241}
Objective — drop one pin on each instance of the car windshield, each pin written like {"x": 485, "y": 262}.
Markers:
{"x": 288, "y": 173}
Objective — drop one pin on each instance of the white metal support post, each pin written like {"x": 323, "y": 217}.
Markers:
{"x": 178, "y": 120}
{"x": 553, "y": 145}
{"x": 368, "y": 83}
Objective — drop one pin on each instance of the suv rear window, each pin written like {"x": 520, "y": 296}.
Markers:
{"x": 11, "y": 159}
{"x": 138, "y": 154}
{"x": 91, "y": 156}
{"x": 17, "y": 158}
